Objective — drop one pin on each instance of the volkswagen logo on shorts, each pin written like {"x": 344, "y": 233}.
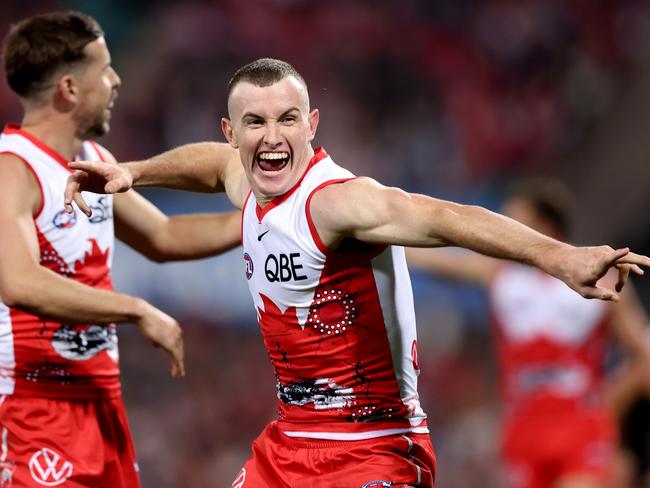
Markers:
{"x": 48, "y": 468}
{"x": 249, "y": 265}
{"x": 377, "y": 484}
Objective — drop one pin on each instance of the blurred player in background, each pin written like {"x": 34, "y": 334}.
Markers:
{"x": 330, "y": 284}
{"x": 558, "y": 429}
{"x": 62, "y": 419}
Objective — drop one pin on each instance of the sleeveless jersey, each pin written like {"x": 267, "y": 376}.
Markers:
{"x": 551, "y": 342}
{"x": 338, "y": 325}
{"x": 45, "y": 358}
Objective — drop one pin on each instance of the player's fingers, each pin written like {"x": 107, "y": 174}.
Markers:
{"x": 72, "y": 186}
{"x": 115, "y": 186}
{"x": 599, "y": 293}
{"x": 88, "y": 166}
{"x": 81, "y": 203}
{"x": 634, "y": 258}
{"x": 623, "y": 273}
{"x": 615, "y": 256}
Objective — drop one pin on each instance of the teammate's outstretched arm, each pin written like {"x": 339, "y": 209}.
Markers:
{"x": 200, "y": 167}
{"x": 454, "y": 264}
{"x": 363, "y": 209}
{"x": 26, "y": 285}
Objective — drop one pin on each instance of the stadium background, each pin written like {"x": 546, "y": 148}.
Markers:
{"x": 456, "y": 99}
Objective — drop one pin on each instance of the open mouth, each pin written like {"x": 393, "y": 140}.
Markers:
{"x": 272, "y": 161}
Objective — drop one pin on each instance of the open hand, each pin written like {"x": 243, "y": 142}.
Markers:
{"x": 95, "y": 177}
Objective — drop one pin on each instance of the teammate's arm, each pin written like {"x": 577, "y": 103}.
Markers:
{"x": 26, "y": 285}
{"x": 456, "y": 265}
{"x": 363, "y": 209}
{"x": 200, "y": 167}
{"x": 139, "y": 224}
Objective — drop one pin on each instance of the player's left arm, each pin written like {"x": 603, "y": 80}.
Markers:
{"x": 363, "y": 209}
{"x": 142, "y": 226}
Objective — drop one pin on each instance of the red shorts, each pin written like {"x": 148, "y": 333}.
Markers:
{"x": 282, "y": 461}
{"x": 539, "y": 450}
{"x": 73, "y": 444}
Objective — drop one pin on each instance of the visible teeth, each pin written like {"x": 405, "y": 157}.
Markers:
{"x": 274, "y": 155}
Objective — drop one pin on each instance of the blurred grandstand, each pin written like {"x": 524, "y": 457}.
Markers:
{"x": 449, "y": 98}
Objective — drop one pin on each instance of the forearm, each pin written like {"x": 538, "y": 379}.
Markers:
{"x": 46, "y": 294}
{"x": 197, "y": 236}
{"x": 193, "y": 167}
{"x": 495, "y": 235}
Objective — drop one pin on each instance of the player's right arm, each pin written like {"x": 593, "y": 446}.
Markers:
{"x": 28, "y": 286}
{"x": 200, "y": 167}
{"x": 458, "y": 265}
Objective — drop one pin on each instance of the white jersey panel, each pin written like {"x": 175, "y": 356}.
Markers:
{"x": 529, "y": 304}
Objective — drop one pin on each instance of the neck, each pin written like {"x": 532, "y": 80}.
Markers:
{"x": 54, "y": 129}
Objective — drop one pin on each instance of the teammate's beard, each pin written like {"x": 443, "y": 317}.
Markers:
{"x": 93, "y": 127}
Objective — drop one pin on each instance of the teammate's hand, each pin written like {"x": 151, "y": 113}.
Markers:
{"x": 163, "y": 331}
{"x": 96, "y": 177}
{"x": 582, "y": 267}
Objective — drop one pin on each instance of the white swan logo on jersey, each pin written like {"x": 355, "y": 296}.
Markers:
{"x": 48, "y": 468}
{"x": 249, "y": 265}
{"x": 78, "y": 345}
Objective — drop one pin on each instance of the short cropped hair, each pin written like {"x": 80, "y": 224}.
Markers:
{"x": 264, "y": 72}
{"x": 550, "y": 198}
{"x": 37, "y": 47}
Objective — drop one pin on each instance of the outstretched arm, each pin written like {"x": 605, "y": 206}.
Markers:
{"x": 146, "y": 229}
{"x": 201, "y": 167}
{"x": 453, "y": 264}
{"x": 139, "y": 224}
{"x": 365, "y": 210}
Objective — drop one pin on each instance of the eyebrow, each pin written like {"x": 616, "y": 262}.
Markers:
{"x": 254, "y": 115}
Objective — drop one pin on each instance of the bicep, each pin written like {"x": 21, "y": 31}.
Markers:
{"x": 18, "y": 240}
{"x": 365, "y": 210}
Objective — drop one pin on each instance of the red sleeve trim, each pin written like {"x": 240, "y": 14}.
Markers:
{"x": 312, "y": 228}
{"x": 96, "y": 147}
{"x": 38, "y": 180}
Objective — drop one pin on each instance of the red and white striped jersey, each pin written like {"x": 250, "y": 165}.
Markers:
{"x": 339, "y": 325}
{"x": 38, "y": 356}
{"x": 551, "y": 342}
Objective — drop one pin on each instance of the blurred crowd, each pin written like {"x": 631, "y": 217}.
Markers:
{"x": 453, "y": 99}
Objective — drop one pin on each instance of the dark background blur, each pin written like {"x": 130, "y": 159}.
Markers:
{"x": 456, "y": 99}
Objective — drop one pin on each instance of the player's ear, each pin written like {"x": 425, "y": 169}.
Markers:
{"x": 226, "y": 127}
{"x": 68, "y": 88}
{"x": 314, "y": 116}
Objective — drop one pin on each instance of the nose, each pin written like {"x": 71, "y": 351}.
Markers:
{"x": 272, "y": 136}
{"x": 117, "y": 81}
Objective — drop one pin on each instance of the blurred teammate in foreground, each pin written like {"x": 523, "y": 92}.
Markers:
{"x": 330, "y": 284}
{"x": 558, "y": 431}
{"x": 62, "y": 419}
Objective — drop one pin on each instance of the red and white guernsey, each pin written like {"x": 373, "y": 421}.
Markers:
{"x": 339, "y": 326}
{"x": 45, "y": 358}
{"x": 551, "y": 342}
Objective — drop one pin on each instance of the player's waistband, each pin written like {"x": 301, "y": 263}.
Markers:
{"x": 343, "y": 431}
{"x": 56, "y": 391}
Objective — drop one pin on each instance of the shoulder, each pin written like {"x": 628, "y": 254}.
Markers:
{"x": 103, "y": 153}
{"x": 18, "y": 181}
